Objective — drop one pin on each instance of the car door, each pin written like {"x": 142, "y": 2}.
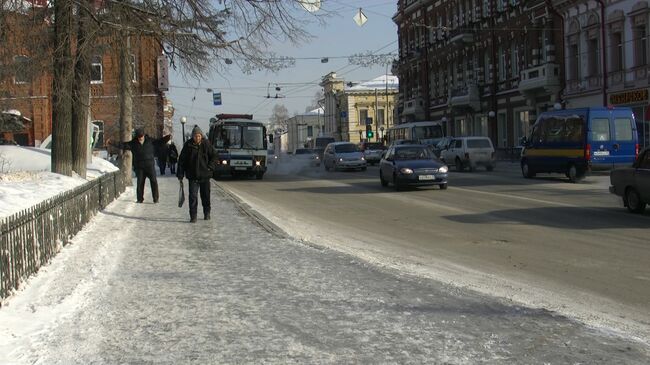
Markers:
{"x": 455, "y": 148}
{"x": 642, "y": 176}
{"x": 387, "y": 164}
{"x": 624, "y": 142}
{"x": 601, "y": 138}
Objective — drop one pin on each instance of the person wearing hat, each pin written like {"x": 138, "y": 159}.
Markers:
{"x": 143, "y": 148}
{"x": 196, "y": 162}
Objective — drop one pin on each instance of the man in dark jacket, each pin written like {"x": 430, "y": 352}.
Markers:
{"x": 143, "y": 149}
{"x": 196, "y": 162}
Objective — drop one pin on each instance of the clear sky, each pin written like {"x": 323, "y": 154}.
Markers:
{"x": 339, "y": 38}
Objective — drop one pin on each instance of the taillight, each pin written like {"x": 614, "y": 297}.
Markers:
{"x": 588, "y": 152}
{"x": 636, "y": 151}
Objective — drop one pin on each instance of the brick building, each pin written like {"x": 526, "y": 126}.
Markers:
{"x": 28, "y": 90}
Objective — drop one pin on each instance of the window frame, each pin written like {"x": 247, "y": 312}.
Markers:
{"x": 94, "y": 62}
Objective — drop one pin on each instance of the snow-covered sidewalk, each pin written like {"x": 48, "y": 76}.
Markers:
{"x": 140, "y": 284}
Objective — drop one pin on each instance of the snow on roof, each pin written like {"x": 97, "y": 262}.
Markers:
{"x": 380, "y": 82}
{"x": 316, "y": 111}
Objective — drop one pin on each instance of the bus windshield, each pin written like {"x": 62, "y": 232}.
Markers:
{"x": 240, "y": 136}
{"x": 253, "y": 137}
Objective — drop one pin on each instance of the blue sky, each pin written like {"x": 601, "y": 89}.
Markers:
{"x": 245, "y": 93}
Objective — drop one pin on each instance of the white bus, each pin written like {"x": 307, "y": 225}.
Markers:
{"x": 428, "y": 133}
{"x": 241, "y": 145}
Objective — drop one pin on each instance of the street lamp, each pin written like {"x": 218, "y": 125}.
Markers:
{"x": 382, "y": 132}
{"x": 183, "y": 121}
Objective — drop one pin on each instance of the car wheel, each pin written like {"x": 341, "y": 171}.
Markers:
{"x": 634, "y": 202}
{"x": 459, "y": 165}
{"x": 526, "y": 170}
{"x": 443, "y": 186}
{"x": 382, "y": 180}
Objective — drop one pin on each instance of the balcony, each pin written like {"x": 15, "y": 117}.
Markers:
{"x": 543, "y": 79}
{"x": 465, "y": 97}
{"x": 461, "y": 36}
{"x": 414, "y": 107}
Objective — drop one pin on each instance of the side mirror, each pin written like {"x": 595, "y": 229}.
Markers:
{"x": 270, "y": 138}
{"x": 523, "y": 141}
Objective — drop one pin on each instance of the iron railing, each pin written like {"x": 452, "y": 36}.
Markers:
{"x": 30, "y": 238}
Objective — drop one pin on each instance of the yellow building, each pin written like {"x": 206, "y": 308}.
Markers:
{"x": 348, "y": 107}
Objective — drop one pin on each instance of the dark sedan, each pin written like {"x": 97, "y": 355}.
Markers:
{"x": 633, "y": 183}
{"x": 412, "y": 165}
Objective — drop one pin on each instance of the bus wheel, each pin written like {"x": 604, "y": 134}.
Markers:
{"x": 526, "y": 171}
{"x": 572, "y": 173}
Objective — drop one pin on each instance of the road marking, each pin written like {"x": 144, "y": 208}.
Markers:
{"x": 517, "y": 197}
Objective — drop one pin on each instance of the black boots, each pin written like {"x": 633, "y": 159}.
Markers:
{"x": 206, "y": 216}
{"x": 193, "y": 219}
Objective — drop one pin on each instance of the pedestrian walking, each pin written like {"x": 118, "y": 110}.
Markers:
{"x": 172, "y": 156}
{"x": 161, "y": 155}
{"x": 196, "y": 162}
{"x": 143, "y": 149}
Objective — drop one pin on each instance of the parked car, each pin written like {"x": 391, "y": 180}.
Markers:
{"x": 372, "y": 151}
{"x": 412, "y": 165}
{"x": 633, "y": 183}
{"x": 576, "y": 141}
{"x": 470, "y": 152}
{"x": 343, "y": 156}
{"x": 306, "y": 156}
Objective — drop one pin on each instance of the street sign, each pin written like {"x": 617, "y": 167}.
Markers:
{"x": 216, "y": 98}
{"x": 369, "y": 121}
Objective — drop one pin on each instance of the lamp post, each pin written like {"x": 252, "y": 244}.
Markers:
{"x": 183, "y": 121}
{"x": 382, "y": 133}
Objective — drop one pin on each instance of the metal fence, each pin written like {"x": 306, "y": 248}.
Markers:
{"x": 31, "y": 238}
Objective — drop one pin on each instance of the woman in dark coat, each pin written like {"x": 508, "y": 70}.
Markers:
{"x": 196, "y": 162}
{"x": 172, "y": 155}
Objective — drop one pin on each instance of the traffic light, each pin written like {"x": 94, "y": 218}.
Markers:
{"x": 369, "y": 133}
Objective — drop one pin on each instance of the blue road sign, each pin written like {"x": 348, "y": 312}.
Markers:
{"x": 216, "y": 98}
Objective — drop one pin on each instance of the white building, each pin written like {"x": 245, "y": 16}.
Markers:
{"x": 302, "y": 128}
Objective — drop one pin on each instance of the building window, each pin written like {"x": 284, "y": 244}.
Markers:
{"x": 515, "y": 62}
{"x": 500, "y": 5}
{"x": 592, "y": 56}
{"x": 22, "y": 73}
{"x": 380, "y": 117}
{"x": 574, "y": 62}
{"x": 96, "y": 70}
{"x": 502, "y": 64}
{"x": 134, "y": 70}
{"x": 363, "y": 115}
{"x": 310, "y": 131}
{"x": 641, "y": 45}
{"x": 616, "y": 42}
{"x": 487, "y": 68}
{"x": 522, "y": 127}
{"x": 98, "y": 134}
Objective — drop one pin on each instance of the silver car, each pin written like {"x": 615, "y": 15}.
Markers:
{"x": 343, "y": 156}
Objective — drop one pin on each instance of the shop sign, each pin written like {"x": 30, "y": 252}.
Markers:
{"x": 629, "y": 97}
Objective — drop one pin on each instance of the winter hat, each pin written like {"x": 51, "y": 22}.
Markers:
{"x": 139, "y": 132}
{"x": 196, "y": 130}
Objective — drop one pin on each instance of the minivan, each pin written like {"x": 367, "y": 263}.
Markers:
{"x": 577, "y": 141}
{"x": 469, "y": 152}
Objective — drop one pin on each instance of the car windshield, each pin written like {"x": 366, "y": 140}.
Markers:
{"x": 346, "y": 148}
{"x": 413, "y": 153}
{"x": 478, "y": 143}
{"x": 303, "y": 151}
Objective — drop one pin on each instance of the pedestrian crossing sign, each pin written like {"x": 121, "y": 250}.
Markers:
{"x": 216, "y": 98}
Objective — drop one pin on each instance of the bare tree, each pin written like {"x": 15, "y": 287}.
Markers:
{"x": 315, "y": 102}
{"x": 279, "y": 116}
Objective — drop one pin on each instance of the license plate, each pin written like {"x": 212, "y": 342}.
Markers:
{"x": 240, "y": 168}
{"x": 601, "y": 153}
{"x": 426, "y": 177}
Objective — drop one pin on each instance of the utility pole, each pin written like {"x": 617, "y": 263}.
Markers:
{"x": 376, "y": 116}
{"x": 126, "y": 106}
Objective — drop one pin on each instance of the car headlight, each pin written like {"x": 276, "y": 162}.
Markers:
{"x": 257, "y": 163}
{"x": 443, "y": 169}
{"x": 224, "y": 162}
{"x": 363, "y": 159}
{"x": 340, "y": 160}
{"x": 406, "y": 171}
